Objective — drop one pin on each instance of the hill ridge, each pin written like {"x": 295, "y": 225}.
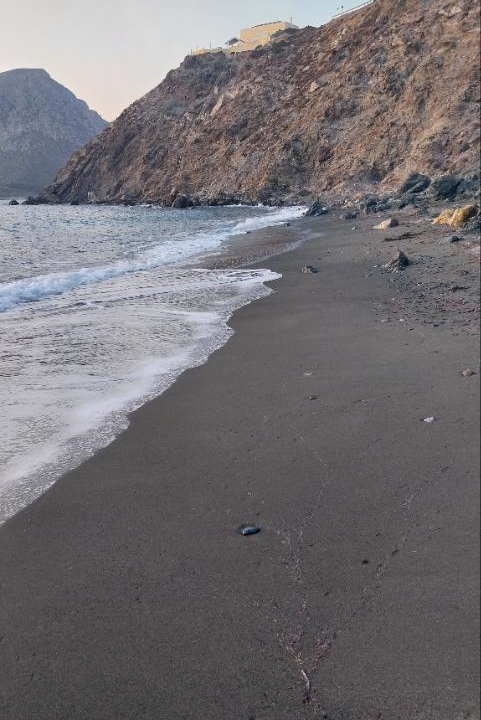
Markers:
{"x": 41, "y": 124}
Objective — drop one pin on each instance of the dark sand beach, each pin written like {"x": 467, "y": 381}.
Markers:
{"x": 127, "y": 592}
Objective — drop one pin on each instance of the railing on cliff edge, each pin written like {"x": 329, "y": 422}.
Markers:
{"x": 358, "y": 7}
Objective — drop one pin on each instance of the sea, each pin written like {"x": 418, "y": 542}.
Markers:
{"x": 101, "y": 309}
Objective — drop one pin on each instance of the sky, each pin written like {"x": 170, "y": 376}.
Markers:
{"x": 111, "y": 52}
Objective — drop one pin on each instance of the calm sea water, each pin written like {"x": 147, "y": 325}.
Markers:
{"x": 101, "y": 308}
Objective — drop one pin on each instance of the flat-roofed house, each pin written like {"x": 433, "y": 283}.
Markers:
{"x": 262, "y": 34}
{"x": 250, "y": 38}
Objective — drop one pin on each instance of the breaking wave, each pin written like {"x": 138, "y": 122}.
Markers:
{"x": 34, "y": 289}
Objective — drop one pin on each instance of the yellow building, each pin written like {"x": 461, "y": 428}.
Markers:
{"x": 250, "y": 38}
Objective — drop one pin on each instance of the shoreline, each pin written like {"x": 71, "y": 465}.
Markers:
{"x": 149, "y": 604}
{"x": 237, "y": 251}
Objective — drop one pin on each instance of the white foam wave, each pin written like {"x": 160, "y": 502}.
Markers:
{"x": 275, "y": 217}
{"x": 34, "y": 289}
{"x": 91, "y": 409}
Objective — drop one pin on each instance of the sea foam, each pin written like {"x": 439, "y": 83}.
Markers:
{"x": 85, "y": 345}
{"x": 33, "y": 289}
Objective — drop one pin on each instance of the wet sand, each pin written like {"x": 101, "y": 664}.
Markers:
{"x": 127, "y": 592}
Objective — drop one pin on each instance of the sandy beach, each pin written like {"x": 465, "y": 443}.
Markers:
{"x": 127, "y": 591}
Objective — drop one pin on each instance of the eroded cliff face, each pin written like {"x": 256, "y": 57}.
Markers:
{"x": 355, "y": 104}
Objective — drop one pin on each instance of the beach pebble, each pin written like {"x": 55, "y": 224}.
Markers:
{"x": 247, "y": 530}
{"x": 468, "y": 373}
{"x": 309, "y": 270}
{"x": 429, "y": 420}
{"x": 386, "y": 224}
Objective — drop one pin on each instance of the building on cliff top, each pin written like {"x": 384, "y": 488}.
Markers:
{"x": 250, "y": 38}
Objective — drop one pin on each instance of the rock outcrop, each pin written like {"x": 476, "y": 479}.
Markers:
{"x": 357, "y": 105}
{"x": 41, "y": 125}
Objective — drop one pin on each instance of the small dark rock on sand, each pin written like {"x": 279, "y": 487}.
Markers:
{"x": 247, "y": 530}
{"x": 399, "y": 262}
{"x": 349, "y": 216}
{"x": 455, "y": 239}
{"x": 309, "y": 270}
{"x": 14, "y": 202}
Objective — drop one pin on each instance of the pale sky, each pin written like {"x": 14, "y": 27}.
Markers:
{"x": 110, "y": 52}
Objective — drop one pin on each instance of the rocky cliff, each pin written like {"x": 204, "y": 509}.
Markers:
{"x": 41, "y": 125}
{"x": 354, "y": 105}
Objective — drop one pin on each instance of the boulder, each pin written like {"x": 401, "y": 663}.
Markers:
{"x": 415, "y": 183}
{"x": 418, "y": 188}
{"x": 14, "y": 202}
{"x": 457, "y": 217}
{"x": 349, "y": 216}
{"x": 368, "y": 203}
{"x": 455, "y": 239}
{"x": 31, "y": 201}
{"x": 382, "y": 207}
{"x": 444, "y": 218}
{"x": 316, "y": 209}
{"x": 387, "y": 224}
{"x": 445, "y": 187}
{"x": 181, "y": 202}
{"x": 461, "y": 216}
{"x": 469, "y": 187}
{"x": 406, "y": 200}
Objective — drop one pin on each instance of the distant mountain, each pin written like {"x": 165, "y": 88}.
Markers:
{"x": 41, "y": 125}
{"x": 350, "y": 107}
